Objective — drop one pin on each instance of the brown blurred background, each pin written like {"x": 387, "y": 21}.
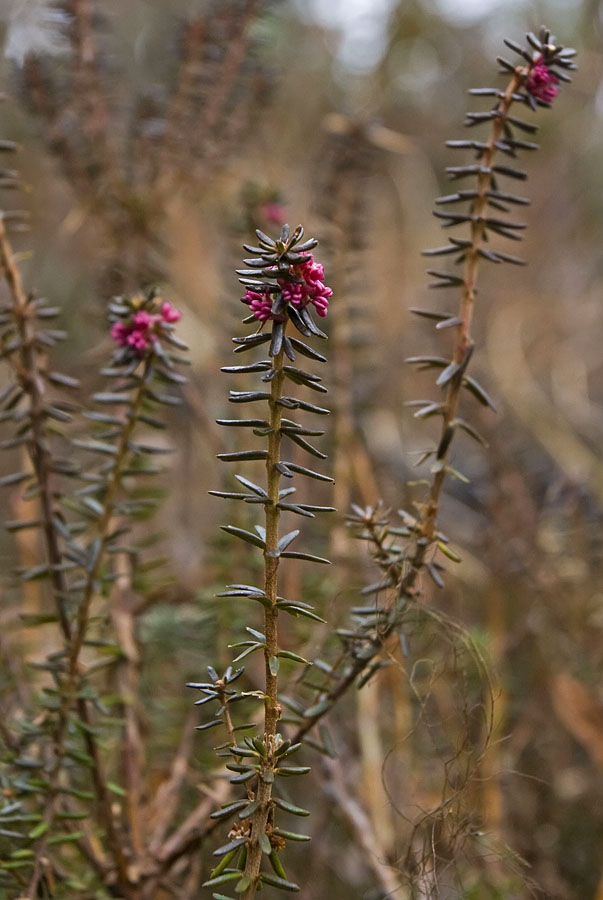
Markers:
{"x": 185, "y": 126}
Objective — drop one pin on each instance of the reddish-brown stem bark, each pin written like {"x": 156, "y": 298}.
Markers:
{"x": 406, "y": 576}
{"x": 271, "y": 706}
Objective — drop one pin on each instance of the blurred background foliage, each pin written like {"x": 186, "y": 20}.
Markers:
{"x": 335, "y": 114}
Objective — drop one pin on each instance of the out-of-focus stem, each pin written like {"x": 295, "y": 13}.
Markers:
{"x": 26, "y": 370}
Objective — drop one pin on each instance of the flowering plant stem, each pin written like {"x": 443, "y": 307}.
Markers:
{"x": 536, "y": 79}
{"x": 272, "y": 709}
{"x": 464, "y": 341}
{"x": 25, "y": 367}
{"x": 28, "y": 373}
{"x": 75, "y": 641}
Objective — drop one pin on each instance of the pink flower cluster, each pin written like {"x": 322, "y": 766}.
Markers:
{"x": 541, "y": 82}
{"x": 311, "y": 290}
{"x": 140, "y": 331}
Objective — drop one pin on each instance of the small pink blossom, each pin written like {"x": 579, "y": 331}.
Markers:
{"x": 541, "y": 82}
{"x": 119, "y": 333}
{"x": 259, "y": 304}
{"x": 144, "y": 320}
{"x": 311, "y": 289}
{"x": 143, "y": 328}
{"x": 140, "y": 339}
{"x": 169, "y": 313}
{"x": 274, "y": 213}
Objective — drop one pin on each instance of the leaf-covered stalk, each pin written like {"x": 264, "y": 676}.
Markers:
{"x": 103, "y": 524}
{"x": 77, "y": 566}
{"x": 271, "y": 565}
{"x": 76, "y": 643}
{"x": 533, "y": 84}
{"x": 25, "y": 364}
{"x": 282, "y": 282}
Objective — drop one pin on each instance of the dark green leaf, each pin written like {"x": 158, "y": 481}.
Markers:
{"x": 292, "y": 770}
{"x": 261, "y": 366}
{"x": 228, "y": 848}
{"x": 244, "y": 423}
{"x": 297, "y": 610}
{"x": 286, "y": 540}
{"x": 308, "y": 557}
{"x": 477, "y": 390}
{"x": 243, "y": 455}
{"x": 247, "y": 536}
{"x": 288, "y": 654}
{"x": 251, "y": 486}
{"x": 275, "y": 881}
{"x": 290, "y": 807}
{"x": 222, "y": 879}
{"x": 310, "y": 473}
{"x": 305, "y": 350}
{"x": 264, "y": 842}
{"x": 291, "y": 835}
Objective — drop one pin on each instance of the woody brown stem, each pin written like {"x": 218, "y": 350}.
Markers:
{"x": 272, "y": 709}
{"x": 464, "y": 341}
{"x": 406, "y": 576}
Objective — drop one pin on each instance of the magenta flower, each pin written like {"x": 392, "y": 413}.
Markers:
{"x": 259, "y": 304}
{"x": 140, "y": 330}
{"x": 311, "y": 289}
{"x": 169, "y": 313}
{"x": 144, "y": 320}
{"x": 274, "y": 212}
{"x": 541, "y": 82}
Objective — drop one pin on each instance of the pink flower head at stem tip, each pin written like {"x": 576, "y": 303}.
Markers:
{"x": 541, "y": 82}
{"x": 310, "y": 289}
{"x": 141, "y": 329}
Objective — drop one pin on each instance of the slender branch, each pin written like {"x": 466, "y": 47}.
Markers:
{"x": 104, "y": 522}
{"x": 271, "y": 562}
{"x": 165, "y": 801}
{"x": 405, "y": 574}
{"x": 335, "y": 787}
{"x": 77, "y": 642}
{"x": 464, "y": 342}
{"x": 28, "y": 375}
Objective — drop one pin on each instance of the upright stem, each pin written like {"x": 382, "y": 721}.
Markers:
{"x": 102, "y": 527}
{"x": 27, "y": 372}
{"x": 272, "y": 710}
{"x": 29, "y": 377}
{"x": 407, "y": 575}
{"x": 77, "y": 642}
{"x": 464, "y": 340}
